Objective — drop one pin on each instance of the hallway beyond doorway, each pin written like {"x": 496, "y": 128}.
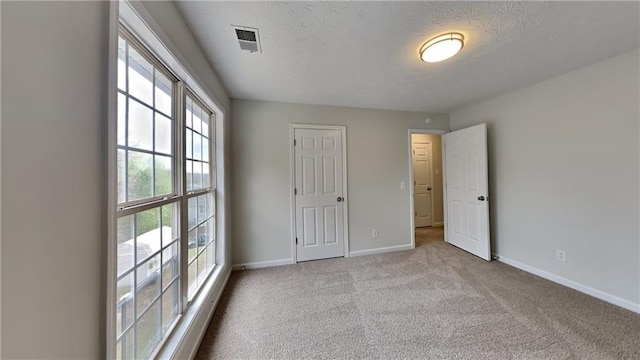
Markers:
{"x": 426, "y": 235}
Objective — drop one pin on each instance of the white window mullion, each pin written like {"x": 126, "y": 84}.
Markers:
{"x": 184, "y": 232}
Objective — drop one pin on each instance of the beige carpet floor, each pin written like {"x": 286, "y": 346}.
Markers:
{"x": 434, "y": 302}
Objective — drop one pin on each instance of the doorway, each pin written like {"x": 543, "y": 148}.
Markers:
{"x": 426, "y": 186}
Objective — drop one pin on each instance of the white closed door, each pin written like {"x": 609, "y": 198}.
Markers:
{"x": 319, "y": 202}
{"x": 422, "y": 184}
{"x": 467, "y": 190}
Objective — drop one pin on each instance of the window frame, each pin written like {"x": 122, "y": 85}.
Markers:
{"x": 188, "y": 329}
{"x": 176, "y": 94}
{"x": 128, "y": 208}
{"x": 178, "y": 195}
{"x": 194, "y": 193}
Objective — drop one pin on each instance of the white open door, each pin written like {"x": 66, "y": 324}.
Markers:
{"x": 467, "y": 190}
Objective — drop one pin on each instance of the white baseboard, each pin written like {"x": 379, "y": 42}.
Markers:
{"x": 261, "y": 264}
{"x": 380, "y": 250}
{"x": 612, "y": 299}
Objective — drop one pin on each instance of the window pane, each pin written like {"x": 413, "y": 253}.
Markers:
{"x": 189, "y": 166}
{"x": 193, "y": 285}
{"x": 124, "y": 304}
{"x": 147, "y": 234}
{"x": 140, "y": 77}
{"x": 211, "y": 230}
{"x": 205, "y": 149}
{"x": 122, "y": 117}
{"x": 211, "y": 206}
{"x": 127, "y": 345}
{"x": 197, "y": 114}
{"x": 206, "y": 177}
{"x": 122, "y": 66}
{"x": 163, "y": 93}
{"x": 139, "y": 176}
{"x": 192, "y": 245}
{"x": 140, "y": 126}
{"x": 148, "y": 331}
{"x": 197, "y": 175}
{"x": 169, "y": 265}
{"x": 205, "y": 124}
{"x": 202, "y": 237}
{"x": 125, "y": 244}
{"x": 169, "y": 224}
{"x": 163, "y": 176}
{"x": 197, "y": 147}
{"x": 122, "y": 166}
{"x": 147, "y": 283}
{"x": 163, "y": 134}
{"x": 189, "y": 106}
{"x": 169, "y": 306}
{"x": 192, "y": 212}
{"x": 202, "y": 208}
{"x": 189, "y": 144}
{"x": 202, "y": 267}
{"x": 210, "y": 255}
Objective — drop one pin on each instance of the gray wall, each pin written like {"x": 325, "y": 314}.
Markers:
{"x": 167, "y": 16}
{"x": 563, "y": 168}
{"x": 377, "y": 150}
{"x": 53, "y": 65}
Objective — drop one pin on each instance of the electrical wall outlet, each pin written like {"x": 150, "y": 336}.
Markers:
{"x": 561, "y": 255}
{"x": 403, "y": 185}
{"x": 374, "y": 233}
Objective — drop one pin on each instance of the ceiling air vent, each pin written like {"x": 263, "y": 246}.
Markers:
{"x": 248, "y": 38}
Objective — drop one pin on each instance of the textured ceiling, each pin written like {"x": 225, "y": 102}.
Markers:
{"x": 365, "y": 54}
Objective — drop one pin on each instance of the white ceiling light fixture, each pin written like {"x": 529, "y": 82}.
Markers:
{"x": 441, "y": 47}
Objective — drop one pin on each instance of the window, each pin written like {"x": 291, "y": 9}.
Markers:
{"x": 156, "y": 114}
{"x": 201, "y": 194}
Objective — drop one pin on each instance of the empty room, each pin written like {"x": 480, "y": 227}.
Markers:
{"x": 332, "y": 180}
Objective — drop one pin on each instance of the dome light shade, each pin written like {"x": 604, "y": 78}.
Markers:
{"x": 441, "y": 47}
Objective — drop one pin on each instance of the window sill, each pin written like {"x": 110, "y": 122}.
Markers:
{"x": 188, "y": 332}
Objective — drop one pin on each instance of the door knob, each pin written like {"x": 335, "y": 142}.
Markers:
{"x": 340, "y": 198}
{"x": 429, "y": 188}
{"x": 481, "y": 198}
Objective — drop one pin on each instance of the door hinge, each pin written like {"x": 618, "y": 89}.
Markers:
{"x": 414, "y": 152}
{"x": 295, "y": 191}
{"x": 415, "y": 213}
{"x": 296, "y": 241}
{"x": 295, "y": 142}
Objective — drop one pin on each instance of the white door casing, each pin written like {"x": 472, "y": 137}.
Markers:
{"x": 467, "y": 190}
{"x": 319, "y": 194}
{"x": 422, "y": 183}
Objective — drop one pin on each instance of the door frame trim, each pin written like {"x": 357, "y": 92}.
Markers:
{"x": 412, "y": 223}
{"x": 292, "y": 184}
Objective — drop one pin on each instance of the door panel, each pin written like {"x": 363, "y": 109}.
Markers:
{"x": 329, "y": 172}
{"x": 422, "y": 184}
{"x": 330, "y": 225}
{"x": 319, "y": 222}
{"x": 467, "y": 179}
